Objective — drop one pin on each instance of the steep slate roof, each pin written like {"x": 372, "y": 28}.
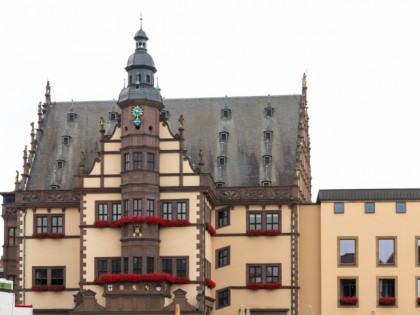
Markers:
{"x": 244, "y": 149}
{"x": 368, "y": 194}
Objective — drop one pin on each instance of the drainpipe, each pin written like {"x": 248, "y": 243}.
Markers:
{"x": 24, "y": 255}
{"x": 204, "y": 245}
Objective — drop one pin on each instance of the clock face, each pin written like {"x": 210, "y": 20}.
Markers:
{"x": 137, "y": 112}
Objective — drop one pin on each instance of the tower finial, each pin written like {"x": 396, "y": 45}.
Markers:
{"x": 141, "y": 20}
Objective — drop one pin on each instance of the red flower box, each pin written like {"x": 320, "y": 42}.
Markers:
{"x": 348, "y": 300}
{"x": 263, "y": 232}
{"x": 182, "y": 280}
{"x": 211, "y": 229}
{"x": 139, "y": 219}
{"x": 266, "y": 286}
{"x": 133, "y": 277}
{"x": 387, "y": 300}
{"x": 52, "y": 288}
{"x": 210, "y": 283}
{"x": 48, "y": 235}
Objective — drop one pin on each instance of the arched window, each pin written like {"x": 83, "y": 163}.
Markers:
{"x": 130, "y": 80}
{"x": 148, "y": 78}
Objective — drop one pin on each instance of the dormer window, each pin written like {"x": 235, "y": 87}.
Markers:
{"x": 71, "y": 117}
{"x": 221, "y": 160}
{"x": 268, "y": 136}
{"x": 164, "y": 115}
{"x": 60, "y": 164}
{"x": 54, "y": 187}
{"x": 141, "y": 44}
{"x": 66, "y": 140}
{"x": 266, "y": 183}
{"x": 268, "y": 111}
{"x": 267, "y": 159}
{"x": 223, "y": 136}
{"x": 113, "y": 116}
{"x": 225, "y": 114}
{"x": 220, "y": 184}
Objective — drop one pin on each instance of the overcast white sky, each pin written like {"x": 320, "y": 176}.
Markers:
{"x": 362, "y": 59}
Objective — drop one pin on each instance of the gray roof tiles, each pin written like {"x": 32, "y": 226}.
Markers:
{"x": 368, "y": 194}
{"x": 244, "y": 149}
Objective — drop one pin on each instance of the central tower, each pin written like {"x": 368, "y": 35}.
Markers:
{"x": 140, "y": 103}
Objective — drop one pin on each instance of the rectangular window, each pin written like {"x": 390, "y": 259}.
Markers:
{"x": 263, "y": 273}
{"x": 57, "y": 224}
{"x": 57, "y": 276}
{"x": 223, "y": 298}
{"x": 255, "y": 221}
{"x": 137, "y": 160}
{"x": 167, "y": 266}
{"x": 41, "y": 276}
{"x": 137, "y": 265}
{"x": 167, "y": 210}
{"x": 181, "y": 267}
{"x": 116, "y": 266}
{"x": 418, "y": 250}
{"x": 347, "y": 252}
{"x": 116, "y": 211}
{"x": 418, "y": 291}
{"x": 42, "y": 224}
{"x": 137, "y": 206}
{"x": 272, "y": 274}
{"x": 255, "y": 274}
{"x": 48, "y": 276}
{"x": 126, "y": 265}
{"x": 150, "y": 207}
{"x": 223, "y": 217}
{"x": 348, "y": 292}
{"x": 369, "y": 207}
{"x": 400, "y": 207}
{"x": 338, "y": 207}
{"x": 181, "y": 211}
{"x": 175, "y": 266}
{"x": 103, "y": 211}
{"x": 126, "y": 162}
{"x": 386, "y": 251}
{"x": 126, "y": 207}
{"x": 150, "y": 265}
{"x": 11, "y": 236}
{"x": 49, "y": 223}
{"x": 272, "y": 221}
{"x": 208, "y": 269}
{"x": 150, "y": 161}
{"x": 222, "y": 256}
{"x": 386, "y": 291}
{"x": 102, "y": 267}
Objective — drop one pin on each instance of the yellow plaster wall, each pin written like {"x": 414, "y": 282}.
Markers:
{"x": 310, "y": 258}
{"x": 108, "y": 246}
{"x": 96, "y": 170}
{"x": 112, "y": 146}
{"x": 169, "y": 145}
{"x": 366, "y": 227}
{"x": 91, "y": 182}
{"x": 117, "y": 134}
{"x": 191, "y": 180}
{"x": 54, "y": 252}
{"x": 112, "y": 163}
{"x": 110, "y": 182}
{"x": 180, "y": 241}
{"x": 164, "y": 132}
{"x": 169, "y": 163}
{"x": 187, "y": 167}
{"x": 50, "y": 300}
{"x": 169, "y": 181}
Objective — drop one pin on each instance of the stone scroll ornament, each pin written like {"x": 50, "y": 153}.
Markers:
{"x": 136, "y": 113}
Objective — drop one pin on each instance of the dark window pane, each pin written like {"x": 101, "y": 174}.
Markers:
{"x": 181, "y": 267}
{"x": 272, "y": 221}
{"x": 223, "y": 257}
{"x": 223, "y": 218}
{"x": 57, "y": 224}
{"x": 386, "y": 287}
{"x": 255, "y": 274}
{"x": 181, "y": 211}
{"x": 103, "y": 211}
{"x": 116, "y": 266}
{"x": 116, "y": 211}
{"x": 272, "y": 274}
{"x": 57, "y": 276}
{"x": 42, "y": 224}
{"x": 167, "y": 266}
{"x": 137, "y": 207}
{"x": 150, "y": 207}
{"x": 126, "y": 162}
{"x": 137, "y": 160}
{"x": 102, "y": 267}
{"x": 150, "y": 161}
{"x": 223, "y": 298}
{"x": 137, "y": 265}
{"x": 347, "y": 287}
{"x": 150, "y": 265}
